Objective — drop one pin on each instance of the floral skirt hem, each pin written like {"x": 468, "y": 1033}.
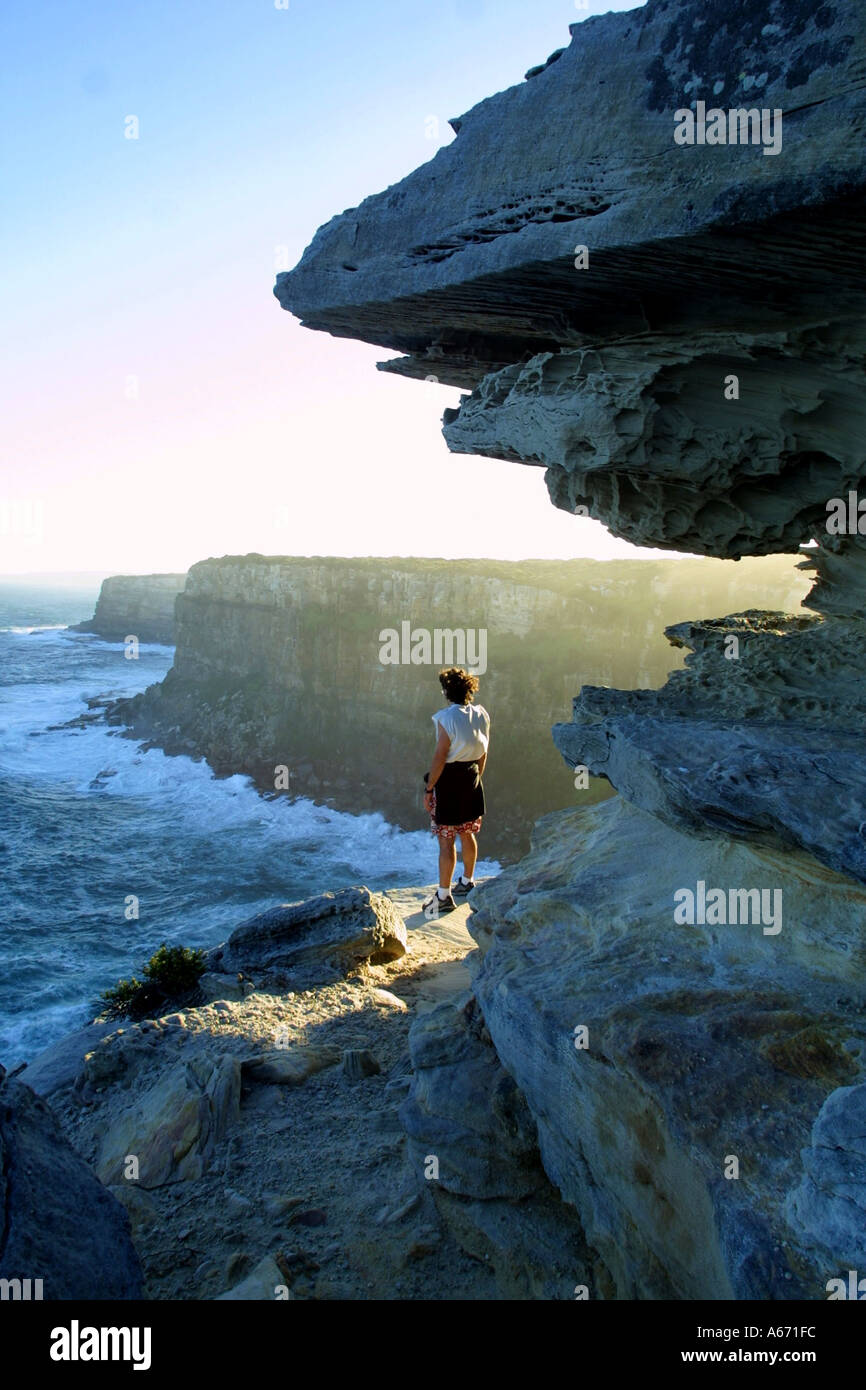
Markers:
{"x": 447, "y": 832}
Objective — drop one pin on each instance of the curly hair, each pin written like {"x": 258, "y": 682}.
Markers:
{"x": 458, "y": 685}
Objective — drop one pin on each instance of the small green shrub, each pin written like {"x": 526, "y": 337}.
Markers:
{"x": 175, "y": 969}
{"x": 171, "y": 974}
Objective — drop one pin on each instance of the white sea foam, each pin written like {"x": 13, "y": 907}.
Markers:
{"x": 38, "y": 627}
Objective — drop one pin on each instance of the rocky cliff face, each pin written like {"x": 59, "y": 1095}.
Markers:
{"x": 281, "y": 664}
{"x": 138, "y": 605}
{"x": 675, "y": 332}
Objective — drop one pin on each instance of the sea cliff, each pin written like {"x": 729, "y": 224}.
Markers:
{"x": 136, "y": 605}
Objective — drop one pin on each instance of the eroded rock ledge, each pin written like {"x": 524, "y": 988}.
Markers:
{"x": 761, "y": 736}
{"x": 642, "y": 435}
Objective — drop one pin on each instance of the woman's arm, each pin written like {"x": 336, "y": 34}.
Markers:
{"x": 482, "y": 761}
{"x": 440, "y": 758}
{"x": 484, "y": 755}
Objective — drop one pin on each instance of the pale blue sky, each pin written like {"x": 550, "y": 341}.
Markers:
{"x": 159, "y": 405}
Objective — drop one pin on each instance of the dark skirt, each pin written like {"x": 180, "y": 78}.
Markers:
{"x": 459, "y": 794}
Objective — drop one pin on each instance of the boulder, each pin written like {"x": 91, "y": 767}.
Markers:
{"x": 359, "y": 1063}
{"x": 140, "y": 1205}
{"x": 289, "y": 1066}
{"x": 61, "y": 1064}
{"x": 119, "y": 1058}
{"x": 318, "y": 937}
{"x": 58, "y": 1223}
{"x": 214, "y": 985}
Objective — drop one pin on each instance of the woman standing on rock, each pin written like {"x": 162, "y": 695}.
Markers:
{"x": 455, "y": 794}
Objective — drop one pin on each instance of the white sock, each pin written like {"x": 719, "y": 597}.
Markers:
{"x": 443, "y": 893}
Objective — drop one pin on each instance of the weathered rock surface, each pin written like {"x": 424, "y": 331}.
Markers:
{"x": 289, "y": 1068}
{"x": 642, "y": 434}
{"x": 215, "y": 985}
{"x": 762, "y": 735}
{"x": 268, "y": 647}
{"x": 830, "y": 1203}
{"x": 137, "y": 605}
{"x": 62, "y": 1063}
{"x": 465, "y": 1110}
{"x": 173, "y": 1127}
{"x": 318, "y": 937}
{"x": 470, "y": 257}
{"x": 57, "y": 1221}
{"x": 474, "y": 1147}
{"x": 704, "y": 1042}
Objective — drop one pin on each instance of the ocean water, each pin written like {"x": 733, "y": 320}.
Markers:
{"x": 89, "y": 819}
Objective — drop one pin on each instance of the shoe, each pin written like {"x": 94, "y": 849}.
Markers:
{"x": 436, "y": 905}
{"x": 463, "y": 887}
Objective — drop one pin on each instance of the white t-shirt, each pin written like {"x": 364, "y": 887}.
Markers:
{"x": 468, "y": 727}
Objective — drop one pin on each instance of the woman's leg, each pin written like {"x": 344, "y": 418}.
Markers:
{"x": 447, "y": 861}
{"x": 468, "y": 853}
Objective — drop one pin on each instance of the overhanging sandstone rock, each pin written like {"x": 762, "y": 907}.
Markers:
{"x": 645, "y": 434}
{"x": 703, "y": 262}
{"x": 830, "y": 1202}
{"x": 467, "y": 264}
